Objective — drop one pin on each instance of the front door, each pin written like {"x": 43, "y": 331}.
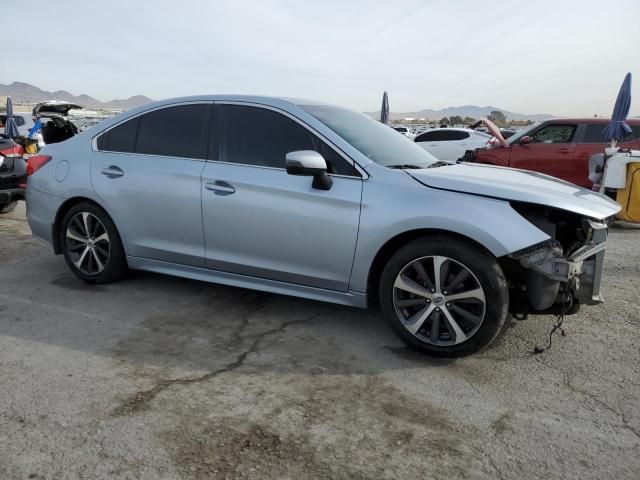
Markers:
{"x": 147, "y": 171}
{"x": 551, "y": 151}
{"x": 261, "y": 222}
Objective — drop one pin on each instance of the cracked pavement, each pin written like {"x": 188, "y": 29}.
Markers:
{"x": 157, "y": 377}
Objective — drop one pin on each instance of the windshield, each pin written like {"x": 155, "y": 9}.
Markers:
{"x": 515, "y": 138}
{"x": 373, "y": 139}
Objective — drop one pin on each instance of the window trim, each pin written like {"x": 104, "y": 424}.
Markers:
{"x": 345, "y": 157}
{"x": 94, "y": 139}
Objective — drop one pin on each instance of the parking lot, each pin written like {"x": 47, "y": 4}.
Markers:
{"x": 159, "y": 378}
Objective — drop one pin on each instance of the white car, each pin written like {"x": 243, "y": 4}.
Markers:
{"x": 449, "y": 144}
{"x": 405, "y": 131}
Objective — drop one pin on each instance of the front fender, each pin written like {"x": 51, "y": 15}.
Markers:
{"x": 396, "y": 209}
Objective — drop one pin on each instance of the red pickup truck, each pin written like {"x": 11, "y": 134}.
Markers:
{"x": 559, "y": 147}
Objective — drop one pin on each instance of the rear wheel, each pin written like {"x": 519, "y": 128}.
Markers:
{"x": 444, "y": 296}
{"x": 91, "y": 244}
{"x": 8, "y": 207}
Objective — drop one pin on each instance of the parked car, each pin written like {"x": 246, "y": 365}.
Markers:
{"x": 405, "y": 131}
{"x": 317, "y": 201}
{"x": 450, "y": 144}
{"x": 558, "y": 147}
{"x": 54, "y": 115}
{"x": 12, "y": 174}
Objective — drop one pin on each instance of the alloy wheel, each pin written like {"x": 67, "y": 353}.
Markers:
{"x": 439, "y": 300}
{"x": 88, "y": 243}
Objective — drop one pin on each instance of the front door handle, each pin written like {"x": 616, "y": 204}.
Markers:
{"x": 112, "y": 171}
{"x": 220, "y": 187}
{"x": 564, "y": 150}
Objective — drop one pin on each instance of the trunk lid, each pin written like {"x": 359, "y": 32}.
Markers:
{"x": 56, "y": 108}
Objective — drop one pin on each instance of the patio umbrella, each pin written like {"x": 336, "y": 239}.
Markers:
{"x": 10, "y": 127}
{"x": 384, "y": 111}
{"x": 616, "y": 129}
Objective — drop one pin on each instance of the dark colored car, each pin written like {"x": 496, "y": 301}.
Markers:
{"x": 13, "y": 177}
{"x": 557, "y": 147}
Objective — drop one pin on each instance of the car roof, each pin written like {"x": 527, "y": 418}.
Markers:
{"x": 453, "y": 129}
{"x": 599, "y": 120}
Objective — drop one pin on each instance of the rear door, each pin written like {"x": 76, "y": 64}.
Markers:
{"x": 147, "y": 172}
{"x": 551, "y": 151}
{"x": 262, "y": 222}
{"x": 589, "y": 140}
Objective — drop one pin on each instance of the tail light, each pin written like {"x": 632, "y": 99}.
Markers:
{"x": 35, "y": 163}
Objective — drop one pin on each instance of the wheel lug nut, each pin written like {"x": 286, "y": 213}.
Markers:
{"x": 433, "y": 290}
{"x": 437, "y": 309}
{"x": 448, "y": 304}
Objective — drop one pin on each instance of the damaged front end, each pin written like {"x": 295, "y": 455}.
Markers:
{"x": 559, "y": 274}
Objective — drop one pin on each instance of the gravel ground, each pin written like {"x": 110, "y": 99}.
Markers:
{"x": 159, "y": 378}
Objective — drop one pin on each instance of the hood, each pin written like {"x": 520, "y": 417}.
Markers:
{"x": 495, "y": 131}
{"x": 57, "y": 108}
{"x": 492, "y": 129}
{"x": 517, "y": 185}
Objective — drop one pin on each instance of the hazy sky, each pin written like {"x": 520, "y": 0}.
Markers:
{"x": 537, "y": 56}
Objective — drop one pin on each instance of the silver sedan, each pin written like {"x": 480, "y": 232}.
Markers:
{"x": 317, "y": 201}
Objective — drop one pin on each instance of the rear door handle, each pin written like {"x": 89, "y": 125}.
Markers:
{"x": 220, "y": 187}
{"x": 564, "y": 150}
{"x": 112, "y": 171}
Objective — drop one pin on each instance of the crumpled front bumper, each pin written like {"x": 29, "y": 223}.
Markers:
{"x": 549, "y": 271}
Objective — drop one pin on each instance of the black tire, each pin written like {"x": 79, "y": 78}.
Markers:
{"x": 462, "y": 255}
{"x": 8, "y": 207}
{"x": 114, "y": 262}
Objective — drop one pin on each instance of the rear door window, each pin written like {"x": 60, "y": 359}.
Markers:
{"x": 263, "y": 137}
{"x": 554, "y": 133}
{"x": 594, "y": 133}
{"x": 180, "y": 131}
{"x": 453, "y": 135}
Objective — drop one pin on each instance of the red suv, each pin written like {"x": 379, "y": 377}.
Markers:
{"x": 558, "y": 147}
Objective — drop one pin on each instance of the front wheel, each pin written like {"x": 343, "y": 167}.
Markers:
{"x": 444, "y": 296}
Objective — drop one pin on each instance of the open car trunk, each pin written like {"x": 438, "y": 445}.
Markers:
{"x": 56, "y": 124}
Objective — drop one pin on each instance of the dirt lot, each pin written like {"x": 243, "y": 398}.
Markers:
{"x": 160, "y": 378}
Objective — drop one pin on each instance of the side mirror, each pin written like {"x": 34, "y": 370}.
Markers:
{"x": 309, "y": 163}
{"x": 526, "y": 140}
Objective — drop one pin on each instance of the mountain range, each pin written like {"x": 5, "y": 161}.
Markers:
{"x": 26, "y": 93}
{"x": 463, "y": 111}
